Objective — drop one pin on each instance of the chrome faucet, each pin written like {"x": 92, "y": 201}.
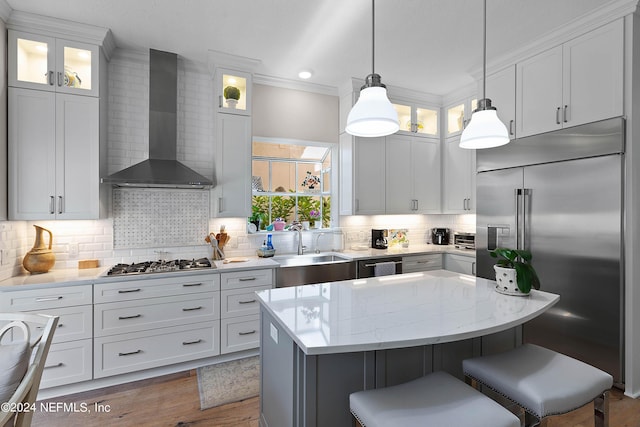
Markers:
{"x": 317, "y": 239}
{"x": 297, "y": 226}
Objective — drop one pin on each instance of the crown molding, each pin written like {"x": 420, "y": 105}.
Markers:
{"x": 295, "y": 84}
{"x": 227, "y": 60}
{"x": 5, "y": 10}
{"x": 60, "y": 28}
{"x": 602, "y": 15}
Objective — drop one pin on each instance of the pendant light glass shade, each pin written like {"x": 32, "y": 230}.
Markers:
{"x": 485, "y": 130}
{"x": 373, "y": 115}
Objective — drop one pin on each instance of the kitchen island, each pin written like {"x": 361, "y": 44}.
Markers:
{"x": 321, "y": 342}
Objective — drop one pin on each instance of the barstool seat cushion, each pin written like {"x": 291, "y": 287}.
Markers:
{"x": 538, "y": 379}
{"x": 437, "y": 399}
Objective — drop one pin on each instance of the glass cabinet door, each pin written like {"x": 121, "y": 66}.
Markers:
{"x": 234, "y": 90}
{"x": 417, "y": 120}
{"x": 46, "y": 63}
{"x": 31, "y": 61}
{"x": 77, "y": 65}
{"x": 458, "y": 116}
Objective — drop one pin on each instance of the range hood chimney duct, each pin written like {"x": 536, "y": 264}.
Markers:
{"x": 161, "y": 169}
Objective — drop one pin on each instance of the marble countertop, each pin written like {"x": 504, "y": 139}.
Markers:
{"x": 397, "y": 311}
{"x": 71, "y": 276}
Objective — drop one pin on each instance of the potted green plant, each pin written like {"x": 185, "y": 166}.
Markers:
{"x": 231, "y": 95}
{"x": 515, "y": 274}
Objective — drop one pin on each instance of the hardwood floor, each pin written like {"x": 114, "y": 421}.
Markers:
{"x": 174, "y": 401}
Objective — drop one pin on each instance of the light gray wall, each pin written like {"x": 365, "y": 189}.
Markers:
{"x": 294, "y": 114}
{"x": 3, "y": 121}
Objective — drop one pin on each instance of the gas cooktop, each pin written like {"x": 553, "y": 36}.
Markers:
{"x": 148, "y": 267}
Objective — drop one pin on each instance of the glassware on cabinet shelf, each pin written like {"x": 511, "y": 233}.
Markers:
{"x": 427, "y": 121}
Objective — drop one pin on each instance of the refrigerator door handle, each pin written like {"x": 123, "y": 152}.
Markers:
{"x": 519, "y": 218}
{"x": 526, "y": 196}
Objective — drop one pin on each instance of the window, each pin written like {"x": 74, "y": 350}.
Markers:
{"x": 291, "y": 180}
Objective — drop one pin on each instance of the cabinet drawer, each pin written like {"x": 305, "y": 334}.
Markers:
{"x": 240, "y": 333}
{"x": 142, "y": 314}
{"x": 242, "y": 279}
{"x": 151, "y": 288}
{"x": 240, "y": 302}
{"x": 415, "y": 263}
{"x": 119, "y": 354}
{"x": 460, "y": 264}
{"x": 67, "y": 362}
{"x": 40, "y": 299}
{"x": 75, "y": 323}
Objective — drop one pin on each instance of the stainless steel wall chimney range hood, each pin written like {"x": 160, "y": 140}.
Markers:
{"x": 161, "y": 169}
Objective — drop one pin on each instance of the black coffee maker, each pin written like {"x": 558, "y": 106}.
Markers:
{"x": 379, "y": 239}
{"x": 440, "y": 236}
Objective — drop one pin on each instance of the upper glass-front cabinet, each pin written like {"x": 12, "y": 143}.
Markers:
{"x": 458, "y": 116}
{"x": 47, "y": 63}
{"x": 417, "y": 120}
{"x": 234, "y": 91}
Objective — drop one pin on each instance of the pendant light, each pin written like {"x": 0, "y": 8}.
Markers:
{"x": 372, "y": 115}
{"x": 485, "y": 130}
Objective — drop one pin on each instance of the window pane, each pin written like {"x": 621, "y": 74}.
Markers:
{"x": 260, "y": 175}
{"x": 309, "y": 208}
{"x": 260, "y": 208}
{"x": 283, "y": 176}
{"x": 283, "y": 207}
{"x": 309, "y": 178}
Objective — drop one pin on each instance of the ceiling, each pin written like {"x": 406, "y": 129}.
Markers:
{"x": 426, "y": 45}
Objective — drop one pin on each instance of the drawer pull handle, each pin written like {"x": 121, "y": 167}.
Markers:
{"x": 423, "y": 262}
{"x": 58, "y": 298}
{"x": 42, "y": 327}
{"x": 192, "y": 342}
{"x": 131, "y": 353}
{"x": 247, "y": 302}
{"x": 186, "y": 285}
{"x": 192, "y": 308}
{"x": 126, "y": 291}
{"x": 247, "y": 279}
{"x": 247, "y": 333}
{"x": 58, "y": 365}
{"x": 135, "y": 316}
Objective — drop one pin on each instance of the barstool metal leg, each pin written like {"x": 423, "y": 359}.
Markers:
{"x": 601, "y": 410}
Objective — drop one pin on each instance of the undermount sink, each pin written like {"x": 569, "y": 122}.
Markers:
{"x": 313, "y": 268}
{"x": 299, "y": 260}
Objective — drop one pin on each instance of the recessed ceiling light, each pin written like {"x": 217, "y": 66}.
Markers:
{"x": 305, "y": 74}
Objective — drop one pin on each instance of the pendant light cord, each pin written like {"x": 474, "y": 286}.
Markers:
{"x": 484, "y": 52}
{"x": 373, "y": 35}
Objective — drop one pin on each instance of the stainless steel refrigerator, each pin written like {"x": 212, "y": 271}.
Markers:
{"x": 560, "y": 195}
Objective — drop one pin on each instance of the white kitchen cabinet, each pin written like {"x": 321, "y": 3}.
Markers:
{"x": 426, "y": 262}
{"x": 417, "y": 119}
{"x": 225, "y": 81}
{"x": 239, "y": 308}
{"x": 578, "y": 82}
{"x": 362, "y": 175}
{"x": 231, "y": 196}
{"x": 459, "y": 174}
{"x": 54, "y": 156}
{"x": 460, "y": 264}
{"x": 53, "y": 64}
{"x": 501, "y": 89}
{"x": 147, "y": 323}
{"x": 458, "y": 114}
{"x": 412, "y": 175}
{"x": 70, "y": 358}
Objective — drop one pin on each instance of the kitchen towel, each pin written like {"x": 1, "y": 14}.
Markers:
{"x": 384, "y": 268}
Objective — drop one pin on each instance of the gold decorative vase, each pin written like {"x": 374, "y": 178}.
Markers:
{"x": 40, "y": 258}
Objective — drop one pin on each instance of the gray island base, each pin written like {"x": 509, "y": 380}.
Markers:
{"x": 319, "y": 343}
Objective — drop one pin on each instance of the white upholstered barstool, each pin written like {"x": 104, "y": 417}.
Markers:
{"x": 543, "y": 382}
{"x": 437, "y": 399}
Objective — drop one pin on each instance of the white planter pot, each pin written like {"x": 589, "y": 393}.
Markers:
{"x": 231, "y": 103}
{"x": 506, "y": 281}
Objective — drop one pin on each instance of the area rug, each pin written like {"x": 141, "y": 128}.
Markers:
{"x": 229, "y": 382}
